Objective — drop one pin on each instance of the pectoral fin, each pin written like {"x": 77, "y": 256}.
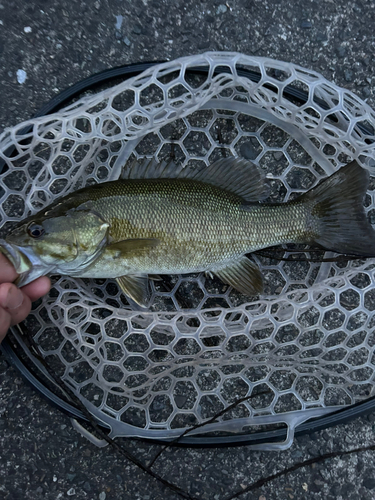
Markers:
{"x": 132, "y": 246}
{"x": 243, "y": 275}
{"x": 136, "y": 287}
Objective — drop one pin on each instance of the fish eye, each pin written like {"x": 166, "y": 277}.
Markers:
{"x": 35, "y": 230}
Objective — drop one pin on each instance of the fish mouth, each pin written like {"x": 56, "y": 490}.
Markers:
{"x": 26, "y": 263}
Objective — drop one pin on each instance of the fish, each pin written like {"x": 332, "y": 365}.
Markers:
{"x": 159, "y": 218}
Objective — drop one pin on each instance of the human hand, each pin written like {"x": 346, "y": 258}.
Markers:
{"x": 15, "y": 303}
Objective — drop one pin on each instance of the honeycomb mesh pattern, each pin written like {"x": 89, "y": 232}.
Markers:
{"x": 304, "y": 348}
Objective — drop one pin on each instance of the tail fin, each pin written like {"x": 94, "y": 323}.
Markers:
{"x": 338, "y": 216}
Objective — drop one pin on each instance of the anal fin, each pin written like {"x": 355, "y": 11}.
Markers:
{"x": 243, "y": 275}
{"x": 136, "y": 287}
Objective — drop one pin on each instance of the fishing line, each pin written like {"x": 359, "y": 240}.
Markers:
{"x": 32, "y": 345}
{"x": 289, "y": 93}
{"x": 210, "y": 421}
{"x": 147, "y": 469}
{"x": 299, "y": 257}
{"x": 299, "y": 465}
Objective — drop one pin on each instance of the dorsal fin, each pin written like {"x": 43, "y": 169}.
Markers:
{"x": 150, "y": 168}
{"x": 236, "y": 175}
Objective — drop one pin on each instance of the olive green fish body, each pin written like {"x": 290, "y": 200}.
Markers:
{"x": 198, "y": 226}
{"x": 162, "y": 220}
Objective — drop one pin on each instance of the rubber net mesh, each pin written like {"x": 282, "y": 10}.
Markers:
{"x": 304, "y": 348}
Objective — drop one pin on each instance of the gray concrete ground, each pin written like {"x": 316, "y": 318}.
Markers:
{"x": 59, "y": 43}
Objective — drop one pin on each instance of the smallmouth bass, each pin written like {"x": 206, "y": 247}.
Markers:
{"x": 163, "y": 219}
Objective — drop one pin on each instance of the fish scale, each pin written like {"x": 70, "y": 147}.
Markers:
{"x": 198, "y": 225}
{"x": 187, "y": 222}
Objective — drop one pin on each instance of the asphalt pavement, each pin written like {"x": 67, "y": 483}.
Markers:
{"x": 46, "y": 46}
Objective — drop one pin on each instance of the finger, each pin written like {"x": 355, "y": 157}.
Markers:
{"x": 21, "y": 312}
{"x": 5, "y": 320}
{"x": 15, "y": 302}
{"x": 8, "y": 273}
{"x": 10, "y": 296}
{"x": 37, "y": 288}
